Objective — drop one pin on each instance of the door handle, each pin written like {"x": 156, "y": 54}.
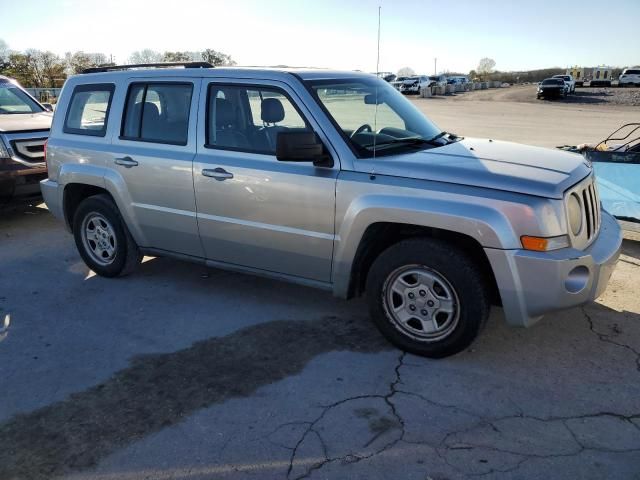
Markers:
{"x": 219, "y": 174}
{"x": 127, "y": 162}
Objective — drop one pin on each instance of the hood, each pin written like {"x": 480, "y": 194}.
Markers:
{"x": 489, "y": 164}
{"x": 20, "y": 122}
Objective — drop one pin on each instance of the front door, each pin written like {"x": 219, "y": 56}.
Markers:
{"x": 253, "y": 210}
{"x": 154, "y": 152}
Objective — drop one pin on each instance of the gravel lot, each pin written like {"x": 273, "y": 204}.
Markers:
{"x": 583, "y": 96}
{"x": 180, "y": 372}
{"x": 514, "y": 114}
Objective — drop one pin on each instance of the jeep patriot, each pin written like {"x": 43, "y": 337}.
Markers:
{"x": 332, "y": 180}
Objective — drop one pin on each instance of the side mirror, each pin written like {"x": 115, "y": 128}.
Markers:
{"x": 48, "y": 107}
{"x": 302, "y": 147}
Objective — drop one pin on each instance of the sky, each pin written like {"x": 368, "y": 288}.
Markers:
{"x": 341, "y": 34}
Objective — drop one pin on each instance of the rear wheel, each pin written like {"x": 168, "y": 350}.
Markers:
{"x": 427, "y": 297}
{"x": 102, "y": 238}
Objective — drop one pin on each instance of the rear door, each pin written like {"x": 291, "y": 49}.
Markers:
{"x": 153, "y": 153}
{"x": 253, "y": 210}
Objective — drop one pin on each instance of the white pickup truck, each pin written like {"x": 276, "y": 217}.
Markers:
{"x": 569, "y": 82}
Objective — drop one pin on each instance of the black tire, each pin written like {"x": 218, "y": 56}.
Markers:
{"x": 466, "y": 283}
{"x": 127, "y": 255}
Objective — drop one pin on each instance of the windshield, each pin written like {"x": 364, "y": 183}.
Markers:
{"x": 553, "y": 81}
{"x": 374, "y": 117}
{"x": 15, "y": 100}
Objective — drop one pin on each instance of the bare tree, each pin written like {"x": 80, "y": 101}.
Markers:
{"x": 486, "y": 66}
{"x": 406, "y": 72}
{"x": 145, "y": 56}
{"x": 79, "y": 61}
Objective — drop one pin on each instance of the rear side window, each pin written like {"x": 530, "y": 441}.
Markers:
{"x": 157, "y": 112}
{"x": 89, "y": 109}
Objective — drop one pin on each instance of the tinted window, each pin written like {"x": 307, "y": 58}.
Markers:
{"x": 632, "y": 72}
{"x": 88, "y": 110}
{"x": 553, "y": 81}
{"x": 158, "y": 112}
{"x": 249, "y": 118}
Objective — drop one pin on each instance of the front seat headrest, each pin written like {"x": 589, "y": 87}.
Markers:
{"x": 224, "y": 113}
{"x": 272, "y": 110}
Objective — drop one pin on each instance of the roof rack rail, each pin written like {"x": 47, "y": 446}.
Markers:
{"x": 109, "y": 68}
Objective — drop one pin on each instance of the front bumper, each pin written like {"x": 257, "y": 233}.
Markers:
{"x": 532, "y": 284}
{"x": 554, "y": 92}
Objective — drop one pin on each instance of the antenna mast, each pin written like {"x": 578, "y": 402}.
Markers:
{"x": 378, "y": 57}
{"x": 375, "y": 115}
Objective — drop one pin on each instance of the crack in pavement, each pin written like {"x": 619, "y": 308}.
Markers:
{"x": 158, "y": 391}
{"x": 352, "y": 457}
{"x": 608, "y": 338}
{"x": 447, "y": 444}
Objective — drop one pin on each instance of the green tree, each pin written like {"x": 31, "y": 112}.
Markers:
{"x": 216, "y": 58}
{"x": 176, "y": 57}
{"x": 35, "y": 68}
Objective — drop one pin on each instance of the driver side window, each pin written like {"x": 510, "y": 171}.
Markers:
{"x": 248, "y": 118}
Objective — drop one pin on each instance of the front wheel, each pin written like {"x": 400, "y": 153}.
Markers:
{"x": 427, "y": 298}
{"x": 102, "y": 238}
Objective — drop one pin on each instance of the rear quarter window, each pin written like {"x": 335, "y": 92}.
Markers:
{"x": 88, "y": 109}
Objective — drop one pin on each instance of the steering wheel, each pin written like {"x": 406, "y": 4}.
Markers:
{"x": 362, "y": 128}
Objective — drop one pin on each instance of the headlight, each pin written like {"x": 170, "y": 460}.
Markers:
{"x": 575, "y": 214}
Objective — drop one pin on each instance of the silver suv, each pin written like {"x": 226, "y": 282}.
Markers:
{"x": 332, "y": 180}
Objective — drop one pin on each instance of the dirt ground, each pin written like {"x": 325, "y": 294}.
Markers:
{"x": 604, "y": 96}
{"x": 514, "y": 114}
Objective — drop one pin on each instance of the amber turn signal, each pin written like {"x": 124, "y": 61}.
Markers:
{"x": 542, "y": 244}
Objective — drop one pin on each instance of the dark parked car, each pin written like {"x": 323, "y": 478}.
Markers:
{"x": 24, "y": 128}
{"x": 552, "y": 88}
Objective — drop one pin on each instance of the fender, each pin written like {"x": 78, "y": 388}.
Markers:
{"x": 487, "y": 224}
{"x": 117, "y": 187}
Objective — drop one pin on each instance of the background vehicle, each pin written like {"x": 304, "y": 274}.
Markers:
{"x": 630, "y": 77}
{"x": 552, "y": 88}
{"x": 414, "y": 84}
{"x": 568, "y": 81}
{"x": 438, "y": 80}
{"x": 386, "y": 76}
{"x": 601, "y": 77}
{"x": 461, "y": 80}
{"x": 24, "y": 127}
{"x": 578, "y": 74}
{"x": 397, "y": 83}
{"x": 332, "y": 180}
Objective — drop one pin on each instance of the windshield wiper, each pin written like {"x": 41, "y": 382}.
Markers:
{"x": 411, "y": 141}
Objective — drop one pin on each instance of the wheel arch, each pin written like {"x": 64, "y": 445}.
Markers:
{"x": 380, "y": 236}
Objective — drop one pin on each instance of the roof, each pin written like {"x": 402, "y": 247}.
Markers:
{"x": 273, "y": 73}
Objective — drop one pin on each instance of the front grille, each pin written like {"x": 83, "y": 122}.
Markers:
{"x": 587, "y": 193}
{"x": 591, "y": 206}
{"x": 30, "y": 150}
